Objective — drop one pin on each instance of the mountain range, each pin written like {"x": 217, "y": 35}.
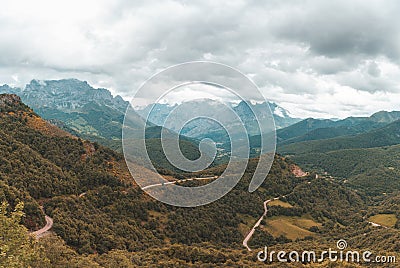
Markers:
{"x": 96, "y": 115}
{"x": 102, "y": 219}
{"x": 225, "y": 129}
{"x": 243, "y": 109}
{"x": 313, "y": 129}
{"x": 359, "y": 151}
{"x": 82, "y": 108}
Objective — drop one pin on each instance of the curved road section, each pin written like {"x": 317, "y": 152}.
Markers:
{"x": 42, "y": 232}
{"x": 175, "y": 181}
{"x": 250, "y": 234}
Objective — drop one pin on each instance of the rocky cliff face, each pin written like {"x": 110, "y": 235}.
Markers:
{"x": 68, "y": 95}
{"x": 206, "y": 128}
{"x": 83, "y": 109}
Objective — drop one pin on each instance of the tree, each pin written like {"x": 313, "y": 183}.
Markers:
{"x": 17, "y": 247}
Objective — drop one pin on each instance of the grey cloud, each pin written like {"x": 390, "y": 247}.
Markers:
{"x": 365, "y": 82}
{"x": 340, "y": 28}
{"x": 373, "y": 69}
{"x": 296, "y": 46}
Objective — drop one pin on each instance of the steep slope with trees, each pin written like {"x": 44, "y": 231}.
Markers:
{"x": 102, "y": 218}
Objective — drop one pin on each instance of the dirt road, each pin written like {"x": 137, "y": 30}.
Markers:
{"x": 42, "y": 232}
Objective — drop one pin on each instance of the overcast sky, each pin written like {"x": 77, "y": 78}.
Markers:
{"x": 314, "y": 58}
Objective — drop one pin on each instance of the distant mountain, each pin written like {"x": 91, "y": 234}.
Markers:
{"x": 196, "y": 129}
{"x": 361, "y": 151}
{"x": 281, "y": 116}
{"x": 82, "y": 108}
{"x": 201, "y": 128}
{"x": 385, "y": 117}
{"x": 384, "y": 136}
{"x": 318, "y": 129}
{"x": 303, "y": 127}
{"x": 69, "y": 95}
{"x": 94, "y": 114}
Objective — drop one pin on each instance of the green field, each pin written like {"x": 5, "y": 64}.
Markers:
{"x": 290, "y": 227}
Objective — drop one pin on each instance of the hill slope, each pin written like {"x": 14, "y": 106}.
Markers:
{"x": 97, "y": 210}
{"x": 318, "y": 129}
{"x": 387, "y": 135}
{"x": 368, "y": 162}
{"x": 93, "y": 114}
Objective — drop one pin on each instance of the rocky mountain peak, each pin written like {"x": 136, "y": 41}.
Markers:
{"x": 385, "y": 117}
{"x": 67, "y": 95}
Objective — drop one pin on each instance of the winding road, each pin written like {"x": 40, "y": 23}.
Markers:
{"x": 250, "y": 234}
{"x": 42, "y": 232}
{"x": 377, "y": 225}
{"x": 175, "y": 181}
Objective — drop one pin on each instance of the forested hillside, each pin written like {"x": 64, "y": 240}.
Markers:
{"x": 319, "y": 129}
{"x": 387, "y": 135}
{"x": 93, "y": 114}
{"x": 367, "y": 162}
{"x": 102, "y": 219}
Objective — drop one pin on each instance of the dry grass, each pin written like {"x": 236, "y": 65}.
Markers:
{"x": 45, "y": 127}
{"x": 290, "y": 227}
{"x": 279, "y": 203}
{"x": 388, "y": 220}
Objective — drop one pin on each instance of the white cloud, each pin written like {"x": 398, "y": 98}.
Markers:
{"x": 307, "y": 56}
